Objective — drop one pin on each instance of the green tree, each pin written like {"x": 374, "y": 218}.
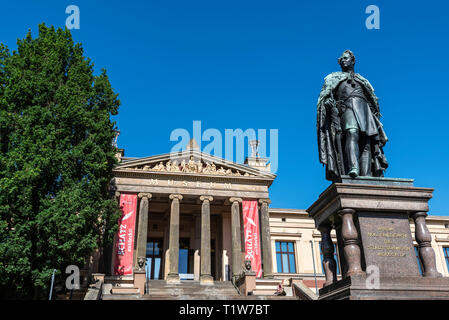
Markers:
{"x": 56, "y": 161}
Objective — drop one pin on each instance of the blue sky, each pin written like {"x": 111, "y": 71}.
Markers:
{"x": 260, "y": 64}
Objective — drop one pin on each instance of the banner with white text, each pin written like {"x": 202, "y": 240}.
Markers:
{"x": 125, "y": 237}
{"x": 251, "y": 229}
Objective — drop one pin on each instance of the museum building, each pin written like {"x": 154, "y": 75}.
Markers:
{"x": 193, "y": 216}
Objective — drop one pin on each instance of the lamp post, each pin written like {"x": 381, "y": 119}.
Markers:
{"x": 314, "y": 269}
{"x": 52, "y": 281}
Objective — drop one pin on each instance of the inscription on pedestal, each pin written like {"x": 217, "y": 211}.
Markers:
{"x": 387, "y": 243}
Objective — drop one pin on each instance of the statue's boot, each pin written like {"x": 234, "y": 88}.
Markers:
{"x": 352, "y": 151}
{"x": 354, "y": 173}
{"x": 365, "y": 158}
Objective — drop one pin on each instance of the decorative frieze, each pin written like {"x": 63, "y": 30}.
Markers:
{"x": 191, "y": 166}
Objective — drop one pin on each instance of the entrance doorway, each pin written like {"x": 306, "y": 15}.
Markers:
{"x": 154, "y": 258}
{"x": 185, "y": 267}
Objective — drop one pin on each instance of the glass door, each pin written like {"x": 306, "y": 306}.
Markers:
{"x": 154, "y": 258}
{"x": 185, "y": 260}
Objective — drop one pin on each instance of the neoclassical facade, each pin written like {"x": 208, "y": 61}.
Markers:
{"x": 189, "y": 214}
{"x": 189, "y": 223}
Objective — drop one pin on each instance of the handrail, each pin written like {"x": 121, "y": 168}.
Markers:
{"x": 234, "y": 281}
{"x": 303, "y": 292}
{"x": 95, "y": 291}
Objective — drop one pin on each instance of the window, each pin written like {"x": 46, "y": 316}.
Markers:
{"x": 446, "y": 256}
{"x": 285, "y": 257}
{"x": 418, "y": 260}
{"x": 335, "y": 257}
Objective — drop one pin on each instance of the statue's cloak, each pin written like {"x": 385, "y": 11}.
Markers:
{"x": 326, "y": 145}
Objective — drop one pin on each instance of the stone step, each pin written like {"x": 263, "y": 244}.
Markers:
{"x": 122, "y": 285}
{"x": 124, "y": 290}
{"x": 268, "y": 282}
{"x": 76, "y": 295}
{"x": 261, "y": 292}
{"x": 118, "y": 278}
{"x": 159, "y": 289}
{"x": 152, "y": 291}
{"x": 146, "y": 297}
{"x": 266, "y": 287}
{"x": 122, "y": 297}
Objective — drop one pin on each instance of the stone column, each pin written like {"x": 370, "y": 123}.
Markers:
{"x": 327, "y": 248}
{"x": 206, "y": 276}
{"x": 197, "y": 244}
{"x": 142, "y": 230}
{"x": 235, "y": 237}
{"x": 424, "y": 239}
{"x": 266, "y": 239}
{"x": 173, "y": 274}
{"x": 351, "y": 243}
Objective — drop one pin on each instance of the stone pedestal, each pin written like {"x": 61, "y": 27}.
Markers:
{"x": 248, "y": 283}
{"x": 372, "y": 217}
{"x": 139, "y": 281}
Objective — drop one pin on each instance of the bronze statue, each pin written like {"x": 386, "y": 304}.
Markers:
{"x": 350, "y": 135}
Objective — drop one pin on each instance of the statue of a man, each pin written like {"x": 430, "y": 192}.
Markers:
{"x": 350, "y": 135}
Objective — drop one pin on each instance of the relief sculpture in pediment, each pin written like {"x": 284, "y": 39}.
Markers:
{"x": 191, "y": 166}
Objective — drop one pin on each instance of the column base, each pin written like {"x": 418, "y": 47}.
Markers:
{"x": 173, "y": 278}
{"x": 206, "y": 279}
{"x": 268, "y": 276}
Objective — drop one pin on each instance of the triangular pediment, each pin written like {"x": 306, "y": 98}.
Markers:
{"x": 192, "y": 162}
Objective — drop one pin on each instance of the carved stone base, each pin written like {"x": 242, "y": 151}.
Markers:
{"x": 371, "y": 217}
{"x": 173, "y": 278}
{"x": 206, "y": 279}
{"x": 393, "y": 288}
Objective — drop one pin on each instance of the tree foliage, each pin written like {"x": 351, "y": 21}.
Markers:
{"x": 56, "y": 161}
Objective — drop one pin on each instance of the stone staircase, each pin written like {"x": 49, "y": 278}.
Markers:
{"x": 186, "y": 290}
{"x": 267, "y": 287}
{"x": 119, "y": 285}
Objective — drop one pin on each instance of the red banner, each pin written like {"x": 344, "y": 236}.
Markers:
{"x": 125, "y": 236}
{"x": 251, "y": 229}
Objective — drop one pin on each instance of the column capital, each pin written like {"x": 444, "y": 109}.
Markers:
{"x": 233, "y": 199}
{"x": 117, "y": 195}
{"x": 345, "y": 211}
{"x": 176, "y": 196}
{"x": 208, "y": 198}
{"x": 325, "y": 227}
{"x": 267, "y": 201}
{"x": 145, "y": 195}
{"x": 419, "y": 214}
